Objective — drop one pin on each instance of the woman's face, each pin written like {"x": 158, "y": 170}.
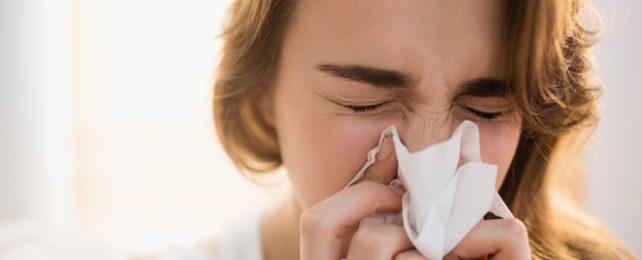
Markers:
{"x": 351, "y": 68}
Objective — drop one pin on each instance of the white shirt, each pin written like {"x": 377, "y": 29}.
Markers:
{"x": 240, "y": 240}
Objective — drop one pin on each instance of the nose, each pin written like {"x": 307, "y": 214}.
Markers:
{"x": 421, "y": 131}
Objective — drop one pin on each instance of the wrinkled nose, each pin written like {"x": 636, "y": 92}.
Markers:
{"x": 421, "y": 131}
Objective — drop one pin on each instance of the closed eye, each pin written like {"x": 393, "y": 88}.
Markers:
{"x": 484, "y": 115}
{"x": 477, "y": 113}
{"x": 359, "y": 109}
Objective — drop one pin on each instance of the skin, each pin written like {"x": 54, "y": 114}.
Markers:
{"x": 439, "y": 45}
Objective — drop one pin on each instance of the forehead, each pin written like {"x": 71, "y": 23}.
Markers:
{"x": 428, "y": 39}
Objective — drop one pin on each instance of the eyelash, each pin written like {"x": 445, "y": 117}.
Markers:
{"x": 479, "y": 114}
{"x": 483, "y": 115}
{"x": 361, "y": 109}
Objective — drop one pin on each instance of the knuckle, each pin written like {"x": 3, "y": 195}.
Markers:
{"x": 409, "y": 255}
{"x": 369, "y": 238}
{"x": 312, "y": 221}
{"x": 516, "y": 229}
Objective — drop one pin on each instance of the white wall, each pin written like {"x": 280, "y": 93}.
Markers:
{"x": 35, "y": 119}
{"x": 614, "y": 188}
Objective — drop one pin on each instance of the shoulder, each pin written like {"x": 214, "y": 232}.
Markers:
{"x": 204, "y": 250}
{"x": 240, "y": 239}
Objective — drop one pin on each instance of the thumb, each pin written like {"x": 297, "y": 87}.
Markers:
{"x": 384, "y": 169}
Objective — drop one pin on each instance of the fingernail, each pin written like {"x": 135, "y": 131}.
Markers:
{"x": 398, "y": 189}
{"x": 385, "y": 150}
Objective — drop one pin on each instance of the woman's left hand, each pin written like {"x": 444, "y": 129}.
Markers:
{"x": 489, "y": 239}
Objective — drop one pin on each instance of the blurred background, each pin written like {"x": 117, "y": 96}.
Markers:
{"x": 106, "y": 129}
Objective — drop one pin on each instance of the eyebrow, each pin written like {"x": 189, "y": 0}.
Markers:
{"x": 480, "y": 87}
{"x": 368, "y": 75}
{"x": 484, "y": 87}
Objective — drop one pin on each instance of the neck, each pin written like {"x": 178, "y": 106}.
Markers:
{"x": 280, "y": 229}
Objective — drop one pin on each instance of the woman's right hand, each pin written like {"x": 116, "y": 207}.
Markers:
{"x": 327, "y": 229}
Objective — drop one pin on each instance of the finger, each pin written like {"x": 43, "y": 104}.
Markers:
{"x": 378, "y": 242}
{"x": 410, "y": 255}
{"x": 499, "y": 238}
{"x": 323, "y": 224}
{"x": 384, "y": 169}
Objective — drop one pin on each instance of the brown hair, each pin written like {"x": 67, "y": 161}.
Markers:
{"x": 550, "y": 63}
{"x": 549, "y": 66}
{"x": 252, "y": 44}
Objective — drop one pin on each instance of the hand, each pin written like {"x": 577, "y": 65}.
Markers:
{"x": 327, "y": 227}
{"x": 490, "y": 239}
{"x": 497, "y": 239}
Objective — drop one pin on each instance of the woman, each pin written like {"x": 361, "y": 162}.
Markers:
{"x": 309, "y": 85}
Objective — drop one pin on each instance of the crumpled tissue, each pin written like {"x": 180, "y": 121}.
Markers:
{"x": 442, "y": 202}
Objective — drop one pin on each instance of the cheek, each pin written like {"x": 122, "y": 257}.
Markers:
{"x": 322, "y": 151}
{"x": 498, "y": 144}
{"x": 328, "y": 156}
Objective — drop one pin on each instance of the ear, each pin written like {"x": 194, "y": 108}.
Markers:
{"x": 265, "y": 104}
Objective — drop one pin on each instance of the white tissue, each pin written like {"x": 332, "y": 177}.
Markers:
{"x": 442, "y": 203}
